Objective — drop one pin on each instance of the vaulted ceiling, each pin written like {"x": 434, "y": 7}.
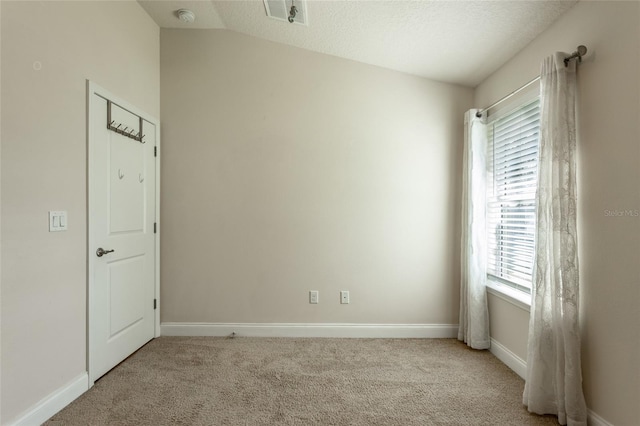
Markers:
{"x": 460, "y": 42}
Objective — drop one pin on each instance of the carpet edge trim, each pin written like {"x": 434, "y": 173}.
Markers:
{"x": 310, "y": 330}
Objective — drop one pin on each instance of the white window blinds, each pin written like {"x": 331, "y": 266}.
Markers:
{"x": 511, "y": 186}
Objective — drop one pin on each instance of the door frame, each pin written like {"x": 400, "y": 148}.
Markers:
{"x": 94, "y": 89}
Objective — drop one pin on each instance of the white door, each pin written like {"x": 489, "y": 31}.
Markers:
{"x": 122, "y": 243}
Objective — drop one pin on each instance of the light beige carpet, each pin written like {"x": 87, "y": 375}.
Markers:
{"x": 266, "y": 381}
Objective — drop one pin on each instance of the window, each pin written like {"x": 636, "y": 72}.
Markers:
{"x": 513, "y": 141}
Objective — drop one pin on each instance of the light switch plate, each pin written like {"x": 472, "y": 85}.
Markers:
{"x": 57, "y": 221}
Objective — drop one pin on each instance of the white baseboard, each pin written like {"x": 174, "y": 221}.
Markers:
{"x": 513, "y": 361}
{"x": 311, "y": 330}
{"x": 54, "y": 402}
{"x": 519, "y": 366}
{"x": 595, "y": 420}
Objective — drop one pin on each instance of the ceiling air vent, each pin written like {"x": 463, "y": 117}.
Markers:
{"x": 281, "y": 10}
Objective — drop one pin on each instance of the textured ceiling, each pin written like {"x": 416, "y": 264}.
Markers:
{"x": 459, "y": 42}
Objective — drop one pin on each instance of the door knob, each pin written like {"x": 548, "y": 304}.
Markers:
{"x": 101, "y": 252}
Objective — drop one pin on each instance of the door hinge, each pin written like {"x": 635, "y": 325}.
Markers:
{"x": 155, "y": 228}
{"x": 155, "y": 303}
{"x": 155, "y": 151}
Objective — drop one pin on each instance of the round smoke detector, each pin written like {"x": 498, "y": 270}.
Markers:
{"x": 186, "y": 15}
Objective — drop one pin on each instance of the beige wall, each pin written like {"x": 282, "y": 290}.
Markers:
{"x": 507, "y": 322}
{"x": 609, "y": 179}
{"x": 286, "y": 170}
{"x": 116, "y": 45}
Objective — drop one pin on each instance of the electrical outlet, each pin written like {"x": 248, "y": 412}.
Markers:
{"x": 313, "y": 297}
{"x": 344, "y": 297}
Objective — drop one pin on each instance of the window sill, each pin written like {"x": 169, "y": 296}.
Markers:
{"x": 518, "y": 298}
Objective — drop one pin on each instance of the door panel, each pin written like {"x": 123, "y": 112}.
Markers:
{"x": 127, "y": 170}
{"x": 126, "y": 294}
{"x": 122, "y": 204}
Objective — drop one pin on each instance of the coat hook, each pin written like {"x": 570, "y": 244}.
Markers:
{"x": 125, "y": 129}
{"x": 140, "y": 178}
{"x": 119, "y": 126}
{"x": 120, "y": 174}
{"x": 112, "y": 121}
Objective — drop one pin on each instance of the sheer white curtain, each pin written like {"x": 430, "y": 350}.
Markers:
{"x": 474, "y": 314}
{"x": 554, "y": 378}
